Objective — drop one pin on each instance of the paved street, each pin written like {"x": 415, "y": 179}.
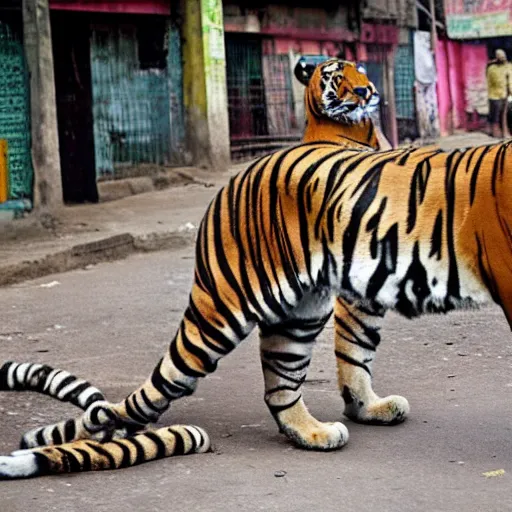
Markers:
{"x": 111, "y": 322}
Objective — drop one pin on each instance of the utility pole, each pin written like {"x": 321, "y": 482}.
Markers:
{"x": 37, "y": 41}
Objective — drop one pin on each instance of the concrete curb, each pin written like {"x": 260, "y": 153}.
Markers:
{"x": 112, "y": 190}
{"x": 105, "y": 249}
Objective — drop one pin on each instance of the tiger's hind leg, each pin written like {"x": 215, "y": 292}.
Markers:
{"x": 356, "y": 340}
{"x": 286, "y": 351}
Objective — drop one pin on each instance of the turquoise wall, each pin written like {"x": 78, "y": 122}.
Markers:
{"x": 138, "y": 113}
{"x": 15, "y": 114}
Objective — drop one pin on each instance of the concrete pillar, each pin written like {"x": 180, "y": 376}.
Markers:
{"x": 204, "y": 83}
{"x": 45, "y": 138}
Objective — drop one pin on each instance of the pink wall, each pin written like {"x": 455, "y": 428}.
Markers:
{"x": 456, "y": 77}
{"x": 461, "y": 85}
{"x": 475, "y": 61}
{"x": 283, "y": 45}
{"x": 444, "y": 100}
{"x": 114, "y": 6}
{"x": 450, "y": 86}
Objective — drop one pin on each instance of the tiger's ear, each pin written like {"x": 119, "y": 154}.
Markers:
{"x": 306, "y": 66}
{"x": 304, "y": 71}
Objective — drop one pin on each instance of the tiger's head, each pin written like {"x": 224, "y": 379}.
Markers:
{"x": 337, "y": 89}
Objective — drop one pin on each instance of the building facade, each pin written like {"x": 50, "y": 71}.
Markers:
{"x": 118, "y": 78}
{"x": 109, "y": 93}
{"x": 473, "y": 32}
{"x": 265, "y": 39}
{"x": 144, "y": 84}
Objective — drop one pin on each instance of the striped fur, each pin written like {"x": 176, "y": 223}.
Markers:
{"x": 416, "y": 231}
{"x": 60, "y": 382}
{"x": 93, "y": 456}
{"x": 355, "y": 326}
{"x": 53, "y": 382}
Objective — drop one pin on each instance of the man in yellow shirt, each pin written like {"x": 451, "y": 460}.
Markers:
{"x": 498, "y": 90}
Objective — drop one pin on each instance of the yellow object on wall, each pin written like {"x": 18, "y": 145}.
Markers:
{"x": 4, "y": 172}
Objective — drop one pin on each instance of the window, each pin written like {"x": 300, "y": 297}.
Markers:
{"x": 152, "y": 43}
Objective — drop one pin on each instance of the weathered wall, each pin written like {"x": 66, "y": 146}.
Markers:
{"x": 137, "y": 118}
{"x": 204, "y": 83}
{"x": 15, "y": 113}
{"x": 402, "y": 12}
{"x": 289, "y": 24}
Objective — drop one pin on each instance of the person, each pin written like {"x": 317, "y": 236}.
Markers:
{"x": 498, "y": 90}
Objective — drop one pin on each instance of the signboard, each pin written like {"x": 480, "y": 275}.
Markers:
{"x": 471, "y": 19}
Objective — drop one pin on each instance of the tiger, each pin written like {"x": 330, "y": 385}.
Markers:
{"x": 415, "y": 230}
{"x": 65, "y": 387}
{"x": 339, "y": 100}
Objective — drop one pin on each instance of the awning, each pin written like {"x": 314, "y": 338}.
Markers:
{"x": 114, "y": 6}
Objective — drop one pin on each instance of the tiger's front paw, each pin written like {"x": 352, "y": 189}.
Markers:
{"x": 390, "y": 410}
{"x": 320, "y": 436}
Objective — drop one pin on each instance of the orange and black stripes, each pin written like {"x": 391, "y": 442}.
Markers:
{"x": 339, "y": 99}
{"x": 375, "y": 230}
{"x": 88, "y": 455}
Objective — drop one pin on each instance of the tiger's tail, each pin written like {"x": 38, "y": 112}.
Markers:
{"x": 49, "y": 381}
{"x": 55, "y": 383}
{"x": 90, "y": 455}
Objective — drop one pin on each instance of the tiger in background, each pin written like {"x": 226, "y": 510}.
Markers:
{"x": 414, "y": 230}
{"x": 335, "y": 74}
{"x": 339, "y": 100}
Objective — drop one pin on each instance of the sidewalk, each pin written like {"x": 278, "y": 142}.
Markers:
{"x": 77, "y": 236}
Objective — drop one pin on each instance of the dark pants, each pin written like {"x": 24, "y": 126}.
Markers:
{"x": 496, "y": 108}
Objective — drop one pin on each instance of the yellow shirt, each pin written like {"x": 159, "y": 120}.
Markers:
{"x": 498, "y": 77}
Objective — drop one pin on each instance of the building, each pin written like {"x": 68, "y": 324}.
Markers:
{"x": 130, "y": 86}
{"x": 473, "y": 33}
{"x": 118, "y": 79}
{"x": 109, "y": 92}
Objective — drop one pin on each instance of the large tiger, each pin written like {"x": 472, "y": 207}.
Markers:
{"x": 412, "y": 230}
{"x": 333, "y": 75}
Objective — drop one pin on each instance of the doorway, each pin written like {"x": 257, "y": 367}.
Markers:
{"x": 71, "y": 55}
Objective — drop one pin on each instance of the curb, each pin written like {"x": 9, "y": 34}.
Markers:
{"x": 106, "y": 249}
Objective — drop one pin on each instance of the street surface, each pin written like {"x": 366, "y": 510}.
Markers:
{"x": 111, "y": 322}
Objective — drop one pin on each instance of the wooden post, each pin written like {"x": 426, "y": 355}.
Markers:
{"x": 37, "y": 41}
